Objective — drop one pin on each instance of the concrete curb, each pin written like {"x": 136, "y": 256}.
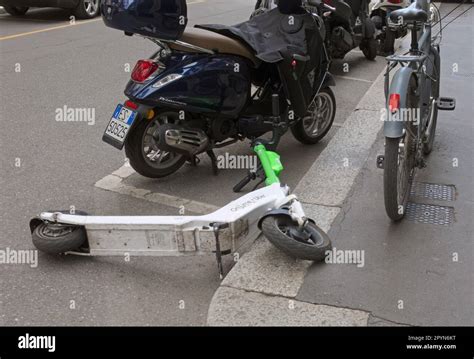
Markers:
{"x": 261, "y": 288}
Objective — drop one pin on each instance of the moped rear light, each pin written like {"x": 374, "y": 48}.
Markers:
{"x": 143, "y": 70}
{"x": 131, "y": 104}
{"x": 395, "y": 1}
{"x": 394, "y": 102}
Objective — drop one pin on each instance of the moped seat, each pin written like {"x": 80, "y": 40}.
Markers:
{"x": 213, "y": 41}
{"x": 412, "y": 13}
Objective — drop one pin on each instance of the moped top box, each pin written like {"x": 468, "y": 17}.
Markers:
{"x": 160, "y": 19}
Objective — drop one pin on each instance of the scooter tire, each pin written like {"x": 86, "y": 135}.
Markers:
{"x": 73, "y": 238}
{"x": 272, "y": 230}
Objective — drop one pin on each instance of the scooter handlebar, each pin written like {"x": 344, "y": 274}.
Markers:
{"x": 238, "y": 187}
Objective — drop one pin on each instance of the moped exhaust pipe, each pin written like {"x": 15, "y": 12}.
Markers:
{"x": 178, "y": 139}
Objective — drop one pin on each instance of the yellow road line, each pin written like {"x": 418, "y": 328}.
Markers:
{"x": 9, "y": 37}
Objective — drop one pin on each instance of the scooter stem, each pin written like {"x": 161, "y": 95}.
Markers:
{"x": 270, "y": 162}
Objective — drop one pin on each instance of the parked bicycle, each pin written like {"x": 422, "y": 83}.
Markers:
{"x": 413, "y": 101}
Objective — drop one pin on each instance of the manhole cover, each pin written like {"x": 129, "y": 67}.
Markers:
{"x": 434, "y": 191}
{"x": 429, "y": 214}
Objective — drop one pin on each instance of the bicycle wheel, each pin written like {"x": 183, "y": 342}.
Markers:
{"x": 399, "y": 162}
{"x": 428, "y": 142}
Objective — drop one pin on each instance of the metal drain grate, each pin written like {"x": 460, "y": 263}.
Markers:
{"x": 429, "y": 214}
{"x": 434, "y": 191}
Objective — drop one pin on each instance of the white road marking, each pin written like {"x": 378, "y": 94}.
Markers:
{"x": 114, "y": 183}
{"x": 353, "y": 78}
{"x": 63, "y": 26}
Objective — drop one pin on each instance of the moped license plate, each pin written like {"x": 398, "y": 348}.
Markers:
{"x": 119, "y": 125}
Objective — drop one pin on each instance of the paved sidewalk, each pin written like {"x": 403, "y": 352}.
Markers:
{"x": 261, "y": 289}
{"x": 414, "y": 273}
{"x": 425, "y": 270}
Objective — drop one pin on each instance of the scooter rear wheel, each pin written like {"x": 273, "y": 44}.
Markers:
{"x": 56, "y": 238}
{"x": 310, "y": 243}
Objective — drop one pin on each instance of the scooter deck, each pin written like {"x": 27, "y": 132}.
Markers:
{"x": 174, "y": 235}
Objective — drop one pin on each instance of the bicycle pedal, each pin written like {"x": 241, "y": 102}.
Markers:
{"x": 380, "y": 160}
{"x": 446, "y": 103}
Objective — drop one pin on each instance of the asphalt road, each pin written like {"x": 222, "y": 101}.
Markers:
{"x": 47, "y": 164}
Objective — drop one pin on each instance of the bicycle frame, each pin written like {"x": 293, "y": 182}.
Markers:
{"x": 222, "y": 231}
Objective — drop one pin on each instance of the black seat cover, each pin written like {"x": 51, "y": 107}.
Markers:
{"x": 414, "y": 12}
{"x": 290, "y": 6}
{"x": 275, "y": 37}
{"x": 270, "y": 34}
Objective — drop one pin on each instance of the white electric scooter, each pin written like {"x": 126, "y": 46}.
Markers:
{"x": 272, "y": 209}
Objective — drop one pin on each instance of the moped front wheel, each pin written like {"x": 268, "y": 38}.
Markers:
{"x": 309, "y": 242}
{"x": 317, "y": 122}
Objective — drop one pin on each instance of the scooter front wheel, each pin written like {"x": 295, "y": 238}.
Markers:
{"x": 56, "y": 238}
{"x": 310, "y": 242}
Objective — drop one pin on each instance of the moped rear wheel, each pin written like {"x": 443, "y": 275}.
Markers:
{"x": 143, "y": 153}
{"x": 310, "y": 242}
